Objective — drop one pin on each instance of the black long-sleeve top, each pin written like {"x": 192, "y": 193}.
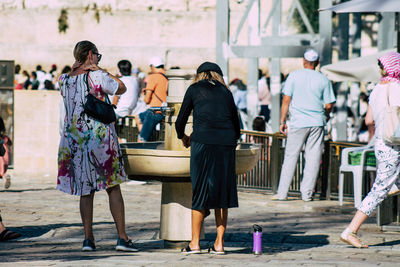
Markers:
{"x": 215, "y": 117}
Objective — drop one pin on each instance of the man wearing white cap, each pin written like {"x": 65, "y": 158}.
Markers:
{"x": 308, "y": 98}
{"x": 155, "y": 95}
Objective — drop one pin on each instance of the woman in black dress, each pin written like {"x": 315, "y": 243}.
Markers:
{"x": 213, "y": 143}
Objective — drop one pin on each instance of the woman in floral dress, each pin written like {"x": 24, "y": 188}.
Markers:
{"x": 89, "y": 157}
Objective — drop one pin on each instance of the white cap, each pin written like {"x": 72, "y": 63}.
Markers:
{"x": 311, "y": 55}
{"x": 156, "y": 61}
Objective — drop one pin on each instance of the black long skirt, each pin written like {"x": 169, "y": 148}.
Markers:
{"x": 212, "y": 171}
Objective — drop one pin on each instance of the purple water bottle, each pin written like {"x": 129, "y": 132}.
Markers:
{"x": 257, "y": 239}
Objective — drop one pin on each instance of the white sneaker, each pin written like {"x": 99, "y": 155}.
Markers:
{"x": 278, "y": 198}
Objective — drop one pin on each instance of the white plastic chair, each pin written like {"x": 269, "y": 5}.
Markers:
{"x": 356, "y": 170}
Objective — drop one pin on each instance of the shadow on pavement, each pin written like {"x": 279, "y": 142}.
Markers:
{"x": 272, "y": 243}
{"x": 42, "y": 251}
{"x": 38, "y": 231}
{"x": 26, "y": 190}
{"x": 391, "y": 243}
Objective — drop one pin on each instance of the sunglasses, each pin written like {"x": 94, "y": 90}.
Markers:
{"x": 98, "y": 56}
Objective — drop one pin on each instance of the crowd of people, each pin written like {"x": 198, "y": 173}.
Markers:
{"x": 38, "y": 79}
{"x": 239, "y": 90}
{"x": 143, "y": 91}
{"x": 90, "y": 158}
{"x": 357, "y": 130}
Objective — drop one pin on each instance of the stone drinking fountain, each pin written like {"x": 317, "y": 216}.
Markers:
{"x": 169, "y": 162}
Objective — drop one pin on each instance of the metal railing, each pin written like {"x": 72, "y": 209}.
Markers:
{"x": 265, "y": 175}
{"x": 126, "y": 129}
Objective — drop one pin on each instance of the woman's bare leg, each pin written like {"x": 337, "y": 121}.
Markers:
{"x": 86, "y": 209}
{"x": 2, "y": 227}
{"x": 221, "y": 218}
{"x": 349, "y": 235}
{"x": 358, "y": 219}
{"x": 117, "y": 209}
{"x": 197, "y": 222}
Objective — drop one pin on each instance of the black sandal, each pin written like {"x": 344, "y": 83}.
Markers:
{"x": 188, "y": 250}
{"x": 212, "y": 250}
{"x": 207, "y": 213}
{"x": 8, "y": 235}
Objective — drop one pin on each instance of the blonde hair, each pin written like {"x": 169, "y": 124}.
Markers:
{"x": 382, "y": 70}
{"x": 81, "y": 50}
{"x": 209, "y": 75}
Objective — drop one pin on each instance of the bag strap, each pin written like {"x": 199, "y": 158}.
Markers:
{"x": 86, "y": 80}
{"x": 163, "y": 75}
{"x": 154, "y": 92}
{"x": 387, "y": 95}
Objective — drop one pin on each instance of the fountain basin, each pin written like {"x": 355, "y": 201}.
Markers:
{"x": 150, "y": 161}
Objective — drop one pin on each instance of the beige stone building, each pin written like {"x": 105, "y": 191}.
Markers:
{"x": 181, "y": 31}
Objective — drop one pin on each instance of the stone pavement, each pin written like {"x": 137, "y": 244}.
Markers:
{"x": 294, "y": 233}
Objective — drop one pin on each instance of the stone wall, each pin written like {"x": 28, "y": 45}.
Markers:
{"x": 36, "y": 135}
{"x": 134, "y": 35}
{"x": 182, "y": 31}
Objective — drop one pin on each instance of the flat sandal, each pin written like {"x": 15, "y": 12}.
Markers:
{"x": 344, "y": 236}
{"x": 188, "y": 250}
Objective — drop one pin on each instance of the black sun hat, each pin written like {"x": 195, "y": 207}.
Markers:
{"x": 209, "y": 66}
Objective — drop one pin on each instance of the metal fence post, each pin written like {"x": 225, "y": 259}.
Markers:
{"x": 275, "y": 163}
{"x": 325, "y": 188}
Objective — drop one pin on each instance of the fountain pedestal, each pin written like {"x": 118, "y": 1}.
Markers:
{"x": 176, "y": 203}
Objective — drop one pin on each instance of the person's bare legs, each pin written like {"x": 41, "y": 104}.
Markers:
{"x": 117, "y": 209}
{"x": 221, "y": 218}
{"x": 139, "y": 124}
{"x": 2, "y": 227}
{"x": 358, "y": 219}
{"x": 355, "y": 224}
{"x": 86, "y": 209}
{"x": 197, "y": 222}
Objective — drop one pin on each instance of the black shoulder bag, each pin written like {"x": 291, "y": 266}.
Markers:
{"x": 97, "y": 109}
{"x": 2, "y": 148}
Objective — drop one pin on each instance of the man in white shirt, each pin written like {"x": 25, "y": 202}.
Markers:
{"x": 264, "y": 96}
{"x": 308, "y": 97}
{"x": 126, "y": 102}
{"x": 41, "y": 76}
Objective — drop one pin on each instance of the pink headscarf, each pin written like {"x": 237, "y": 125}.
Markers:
{"x": 391, "y": 64}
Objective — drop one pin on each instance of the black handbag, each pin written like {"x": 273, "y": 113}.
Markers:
{"x": 2, "y": 148}
{"x": 97, "y": 109}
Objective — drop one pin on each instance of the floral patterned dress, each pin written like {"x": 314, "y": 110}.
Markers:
{"x": 89, "y": 156}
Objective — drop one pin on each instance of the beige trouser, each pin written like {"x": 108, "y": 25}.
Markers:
{"x": 313, "y": 138}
